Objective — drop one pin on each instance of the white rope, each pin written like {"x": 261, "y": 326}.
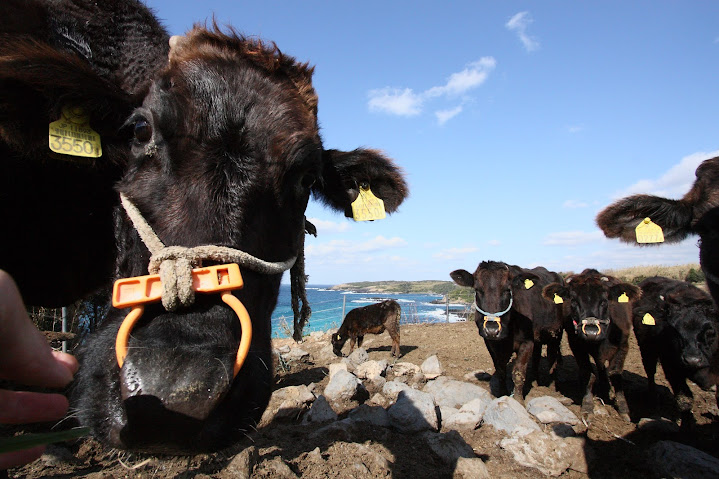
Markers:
{"x": 175, "y": 263}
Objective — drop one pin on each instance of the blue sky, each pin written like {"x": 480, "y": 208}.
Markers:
{"x": 515, "y": 122}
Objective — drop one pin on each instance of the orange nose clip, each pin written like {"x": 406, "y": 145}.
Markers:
{"x": 136, "y": 292}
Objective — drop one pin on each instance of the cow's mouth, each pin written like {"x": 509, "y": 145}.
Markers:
{"x": 592, "y": 329}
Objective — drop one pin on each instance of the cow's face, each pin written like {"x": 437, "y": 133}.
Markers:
{"x": 338, "y": 342}
{"x": 493, "y": 298}
{"x": 590, "y": 299}
{"x": 695, "y": 323}
{"x": 225, "y": 151}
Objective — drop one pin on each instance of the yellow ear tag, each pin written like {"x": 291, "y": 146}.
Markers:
{"x": 367, "y": 207}
{"x": 623, "y": 298}
{"x": 339, "y": 337}
{"x": 648, "y": 319}
{"x": 72, "y": 135}
{"x": 558, "y": 299}
{"x": 649, "y": 232}
{"x": 528, "y": 283}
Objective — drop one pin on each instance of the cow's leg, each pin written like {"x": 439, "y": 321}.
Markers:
{"x": 683, "y": 397}
{"x": 616, "y": 366}
{"x": 353, "y": 340}
{"x": 359, "y": 341}
{"x": 500, "y": 360}
{"x": 553, "y": 357}
{"x": 650, "y": 355}
{"x": 519, "y": 371}
{"x": 395, "y": 343}
{"x": 586, "y": 382}
{"x": 536, "y": 360}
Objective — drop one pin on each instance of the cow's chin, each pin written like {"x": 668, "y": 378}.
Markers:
{"x": 172, "y": 400}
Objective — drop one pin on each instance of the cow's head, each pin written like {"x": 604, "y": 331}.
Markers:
{"x": 225, "y": 151}
{"x": 338, "y": 342}
{"x": 493, "y": 297}
{"x": 692, "y": 315}
{"x": 592, "y": 300}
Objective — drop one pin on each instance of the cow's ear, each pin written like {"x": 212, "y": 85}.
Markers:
{"x": 39, "y": 80}
{"x": 553, "y": 291}
{"x": 525, "y": 281}
{"x": 624, "y": 293}
{"x": 344, "y": 172}
{"x": 462, "y": 277}
{"x": 620, "y": 219}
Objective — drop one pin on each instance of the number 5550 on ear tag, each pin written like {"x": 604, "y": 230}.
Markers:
{"x": 367, "y": 207}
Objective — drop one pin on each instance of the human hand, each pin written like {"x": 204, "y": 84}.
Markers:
{"x": 26, "y": 358}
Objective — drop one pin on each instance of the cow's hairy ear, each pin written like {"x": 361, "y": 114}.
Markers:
{"x": 344, "y": 172}
{"x": 632, "y": 292}
{"x": 462, "y": 277}
{"x": 620, "y": 219}
{"x": 39, "y": 80}
{"x": 555, "y": 289}
{"x": 520, "y": 280}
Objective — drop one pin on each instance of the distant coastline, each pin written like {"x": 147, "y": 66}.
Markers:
{"x": 445, "y": 289}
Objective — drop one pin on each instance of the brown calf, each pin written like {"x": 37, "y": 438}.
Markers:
{"x": 372, "y": 319}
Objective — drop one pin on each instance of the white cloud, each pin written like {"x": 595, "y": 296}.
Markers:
{"x": 471, "y": 77}
{"x": 454, "y": 253}
{"x": 405, "y": 102}
{"x": 443, "y": 116}
{"x": 395, "y": 101}
{"x": 575, "y": 128}
{"x": 572, "y": 238}
{"x": 352, "y": 249}
{"x": 572, "y": 204}
{"x": 672, "y": 184}
{"x": 519, "y": 24}
{"x": 329, "y": 227}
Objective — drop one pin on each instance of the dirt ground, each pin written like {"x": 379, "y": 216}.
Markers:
{"x": 614, "y": 448}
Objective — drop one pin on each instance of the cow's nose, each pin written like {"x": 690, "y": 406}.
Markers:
{"x": 492, "y": 329}
{"x": 693, "y": 360}
{"x": 591, "y": 331}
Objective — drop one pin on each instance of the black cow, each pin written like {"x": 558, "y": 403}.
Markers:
{"x": 697, "y": 213}
{"x": 512, "y": 317}
{"x": 598, "y": 320}
{"x": 676, "y": 324}
{"x": 372, "y": 319}
{"x": 213, "y": 141}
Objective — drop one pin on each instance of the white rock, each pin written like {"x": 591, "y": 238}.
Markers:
{"x": 452, "y": 393}
{"x": 448, "y": 446}
{"x": 431, "y": 367}
{"x": 334, "y": 367}
{"x": 548, "y": 410}
{"x": 358, "y": 356}
{"x": 414, "y": 411}
{"x": 506, "y": 414}
{"x": 343, "y": 386}
{"x": 373, "y": 415}
{"x": 371, "y": 369}
{"x": 405, "y": 369}
{"x": 538, "y": 450}
{"x": 321, "y": 411}
{"x": 392, "y": 388}
{"x": 467, "y": 468}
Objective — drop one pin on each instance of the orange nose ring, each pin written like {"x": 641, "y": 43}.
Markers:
{"x": 136, "y": 292}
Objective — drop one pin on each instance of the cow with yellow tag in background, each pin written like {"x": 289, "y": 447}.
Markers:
{"x": 598, "y": 320}
{"x": 512, "y": 317}
{"x": 676, "y": 324}
{"x": 647, "y": 219}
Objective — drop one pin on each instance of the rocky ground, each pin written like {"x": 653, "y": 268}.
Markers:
{"x": 428, "y": 414}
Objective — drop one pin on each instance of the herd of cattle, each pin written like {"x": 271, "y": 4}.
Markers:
{"x": 518, "y": 311}
{"x": 212, "y": 141}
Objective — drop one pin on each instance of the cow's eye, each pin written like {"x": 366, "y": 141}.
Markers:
{"x": 143, "y": 131}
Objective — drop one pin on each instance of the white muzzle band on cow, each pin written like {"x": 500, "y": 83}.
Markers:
{"x": 494, "y": 317}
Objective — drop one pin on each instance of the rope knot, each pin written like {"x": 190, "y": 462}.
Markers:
{"x": 175, "y": 263}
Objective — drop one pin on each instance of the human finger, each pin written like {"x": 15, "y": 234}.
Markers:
{"x": 19, "y": 458}
{"x": 21, "y": 407}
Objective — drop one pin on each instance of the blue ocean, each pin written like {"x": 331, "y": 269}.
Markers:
{"x": 329, "y": 306}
